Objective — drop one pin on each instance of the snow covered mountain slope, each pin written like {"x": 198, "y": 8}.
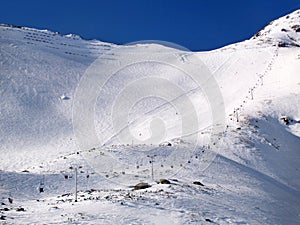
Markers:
{"x": 284, "y": 31}
{"x": 37, "y": 68}
{"x": 254, "y": 178}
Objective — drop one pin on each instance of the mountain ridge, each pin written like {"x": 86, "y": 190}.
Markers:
{"x": 270, "y": 33}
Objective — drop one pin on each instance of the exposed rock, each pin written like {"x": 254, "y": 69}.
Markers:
{"x": 282, "y": 44}
{"x": 20, "y": 209}
{"x": 2, "y": 217}
{"x": 141, "y": 185}
{"x": 164, "y": 181}
{"x": 198, "y": 183}
{"x": 296, "y": 28}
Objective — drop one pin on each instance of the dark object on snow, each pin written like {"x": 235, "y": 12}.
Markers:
{"x": 282, "y": 44}
{"x": 2, "y": 217}
{"x": 140, "y": 186}
{"x": 10, "y": 200}
{"x": 5, "y": 209}
{"x": 41, "y": 189}
{"x": 164, "y": 181}
{"x": 20, "y": 209}
{"x": 296, "y": 28}
{"x": 64, "y": 97}
{"x": 208, "y": 220}
{"x": 168, "y": 144}
{"x": 198, "y": 183}
{"x": 286, "y": 120}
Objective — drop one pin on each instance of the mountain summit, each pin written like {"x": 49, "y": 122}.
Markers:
{"x": 284, "y": 31}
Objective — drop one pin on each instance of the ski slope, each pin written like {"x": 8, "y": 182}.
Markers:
{"x": 254, "y": 175}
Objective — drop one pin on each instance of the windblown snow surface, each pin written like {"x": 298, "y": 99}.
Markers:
{"x": 254, "y": 178}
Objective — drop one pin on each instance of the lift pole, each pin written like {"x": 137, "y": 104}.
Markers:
{"x": 75, "y": 184}
{"x": 152, "y": 161}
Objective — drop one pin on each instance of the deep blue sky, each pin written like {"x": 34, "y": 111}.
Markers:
{"x": 195, "y": 24}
